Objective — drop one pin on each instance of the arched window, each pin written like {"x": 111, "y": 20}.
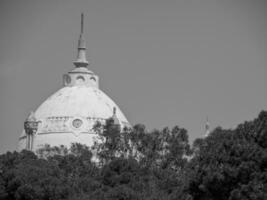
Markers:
{"x": 80, "y": 78}
{"x": 93, "y": 78}
{"x": 66, "y": 79}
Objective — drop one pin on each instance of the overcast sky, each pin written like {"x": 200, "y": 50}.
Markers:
{"x": 164, "y": 62}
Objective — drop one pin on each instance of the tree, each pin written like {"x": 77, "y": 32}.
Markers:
{"x": 230, "y": 164}
{"x": 139, "y": 164}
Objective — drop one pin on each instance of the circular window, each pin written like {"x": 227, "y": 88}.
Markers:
{"x": 77, "y": 123}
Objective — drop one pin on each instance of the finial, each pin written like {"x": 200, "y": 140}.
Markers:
{"x": 81, "y": 56}
{"x": 114, "y": 110}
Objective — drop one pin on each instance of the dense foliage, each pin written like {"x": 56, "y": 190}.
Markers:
{"x": 141, "y": 165}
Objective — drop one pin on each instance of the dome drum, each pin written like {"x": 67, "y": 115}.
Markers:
{"x": 81, "y": 77}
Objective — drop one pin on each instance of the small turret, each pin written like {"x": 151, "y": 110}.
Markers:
{"x": 30, "y": 127}
{"x": 115, "y": 118}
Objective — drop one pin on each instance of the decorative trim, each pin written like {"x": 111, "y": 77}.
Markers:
{"x": 64, "y": 124}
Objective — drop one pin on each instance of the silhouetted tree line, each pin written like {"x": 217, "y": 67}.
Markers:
{"x": 140, "y": 165}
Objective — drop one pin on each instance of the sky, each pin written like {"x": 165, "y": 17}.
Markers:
{"x": 164, "y": 62}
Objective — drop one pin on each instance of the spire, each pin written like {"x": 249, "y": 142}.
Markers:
{"x": 207, "y": 127}
{"x": 81, "y": 56}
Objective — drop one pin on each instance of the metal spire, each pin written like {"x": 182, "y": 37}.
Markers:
{"x": 81, "y": 56}
{"x": 82, "y": 23}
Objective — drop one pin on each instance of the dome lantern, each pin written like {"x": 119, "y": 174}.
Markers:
{"x": 81, "y": 75}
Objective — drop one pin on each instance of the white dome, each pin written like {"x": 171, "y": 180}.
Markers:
{"x": 79, "y": 101}
{"x": 69, "y": 115}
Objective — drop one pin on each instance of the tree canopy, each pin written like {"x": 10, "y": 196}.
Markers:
{"x": 137, "y": 164}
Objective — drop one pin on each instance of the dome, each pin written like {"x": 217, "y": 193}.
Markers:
{"x": 69, "y": 115}
{"x": 79, "y": 101}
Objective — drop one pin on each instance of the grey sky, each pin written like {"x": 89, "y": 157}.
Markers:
{"x": 164, "y": 63}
